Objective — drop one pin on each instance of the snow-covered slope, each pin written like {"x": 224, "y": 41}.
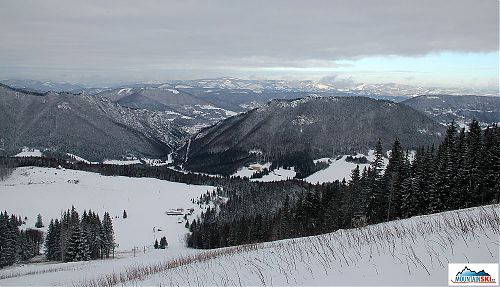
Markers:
{"x": 414, "y": 251}
{"x": 29, "y": 152}
{"x": 339, "y": 169}
{"x": 278, "y": 175}
{"x": 144, "y": 199}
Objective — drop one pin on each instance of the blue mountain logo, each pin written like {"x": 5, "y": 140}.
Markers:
{"x": 467, "y": 272}
{"x": 470, "y": 276}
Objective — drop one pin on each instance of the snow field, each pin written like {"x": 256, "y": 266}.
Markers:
{"x": 337, "y": 169}
{"x": 48, "y": 191}
{"x": 340, "y": 169}
{"x": 28, "y": 152}
{"x": 413, "y": 251}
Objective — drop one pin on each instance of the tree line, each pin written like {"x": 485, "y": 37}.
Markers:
{"x": 75, "y": 238}
{"x": 6, "y": 169}
{"x": 17, "y": 244}
{"x": 134, "y": 170}
{"x": 463, "y": 171}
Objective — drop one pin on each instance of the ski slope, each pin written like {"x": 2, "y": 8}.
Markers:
{"x": 48, "y": 191}
{"x": 413, "y": 251}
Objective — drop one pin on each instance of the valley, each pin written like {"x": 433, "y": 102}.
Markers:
{"x": 249, "y": 143}
{"x": 260, "y": 176}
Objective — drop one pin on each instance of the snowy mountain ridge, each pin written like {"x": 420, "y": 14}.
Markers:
{"x": 315, "y": 126}
{"x": 92, "y": 127}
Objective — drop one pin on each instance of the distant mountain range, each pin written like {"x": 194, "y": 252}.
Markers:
{"x": 154, "y": 119}
{"x": 462, "y": 109}
{"x": 88, "y": 126}
{"x": 391, "y": 91}
{"x": 318, "y": 126}
{"x": 48, "y": 86}
{"x": 194, "y": 104}
{"x": 188, "y": 111}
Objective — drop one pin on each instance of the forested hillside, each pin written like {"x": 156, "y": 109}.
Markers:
{"x": 463, "y": 171}
{"x": 308, "y": 128}
{"x": 91, "y": 127}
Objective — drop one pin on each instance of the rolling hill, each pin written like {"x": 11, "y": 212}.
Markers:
{"x": 314, "y": 126}
{"x": 462, "y": 109}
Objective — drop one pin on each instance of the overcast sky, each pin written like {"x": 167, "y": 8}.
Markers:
{"x": 450, "y": 42}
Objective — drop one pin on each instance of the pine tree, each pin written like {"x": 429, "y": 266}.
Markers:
{"x": 446, "y": 169}
{"x": 8, "y": 240}
{"x": 285, "y": 224}
{"x": 490, "y": 166}
{"x": 39, "y": 223}
{"x": 376, "y": 211}
{"x": 49, "y": 241}
{"x": 77, "y": 246}
{"x": 378, "y": 163}
{"x": 156, "y": 244}
{"x": 108, "y": 238}
{"x": 393, "y": 179}
{"x": 163, "y": 243}
{"x": 408, "y": 196}
{"x": 472, "y": 162}
{"x": 124, "y": 214}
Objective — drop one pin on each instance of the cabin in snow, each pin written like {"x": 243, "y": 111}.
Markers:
{"x": 178, "y": 211}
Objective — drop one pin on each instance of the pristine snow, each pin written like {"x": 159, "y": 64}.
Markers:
{"x": 339, "y": 169}
{"x": 121, "y": 162}
{"x": 248, "y": 171}
{"x": 275, "y": 175}
{"x": 413, "y": 251}
{"x": 173, "y": 91}
{"x": 278, "y": 174}
{"x": 81, "y": 159}
{"x": 210, "y": 107}
{"x": 47, "y": 191}
{"x": 27, "y": 152}
{"x": 126, "y": 91}
{"x": 324, "y": 159}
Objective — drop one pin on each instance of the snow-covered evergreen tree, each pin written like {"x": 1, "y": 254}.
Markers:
{"x": 39, "y": 223}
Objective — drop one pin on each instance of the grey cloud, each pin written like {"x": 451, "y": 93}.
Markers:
{"x": 135, "y": 39}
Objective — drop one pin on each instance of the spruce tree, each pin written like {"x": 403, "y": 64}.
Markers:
{"x": 393, "y": 179}
{"x": 77, "y": 246}
{"x": 39, "y": 223}
{"x": 472, "y": 162}
{"x": 376, "y": 211}
{"x": 108, "y": 238}
{"x": 490, "y": 166}
{"x": 163, "y": 243}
